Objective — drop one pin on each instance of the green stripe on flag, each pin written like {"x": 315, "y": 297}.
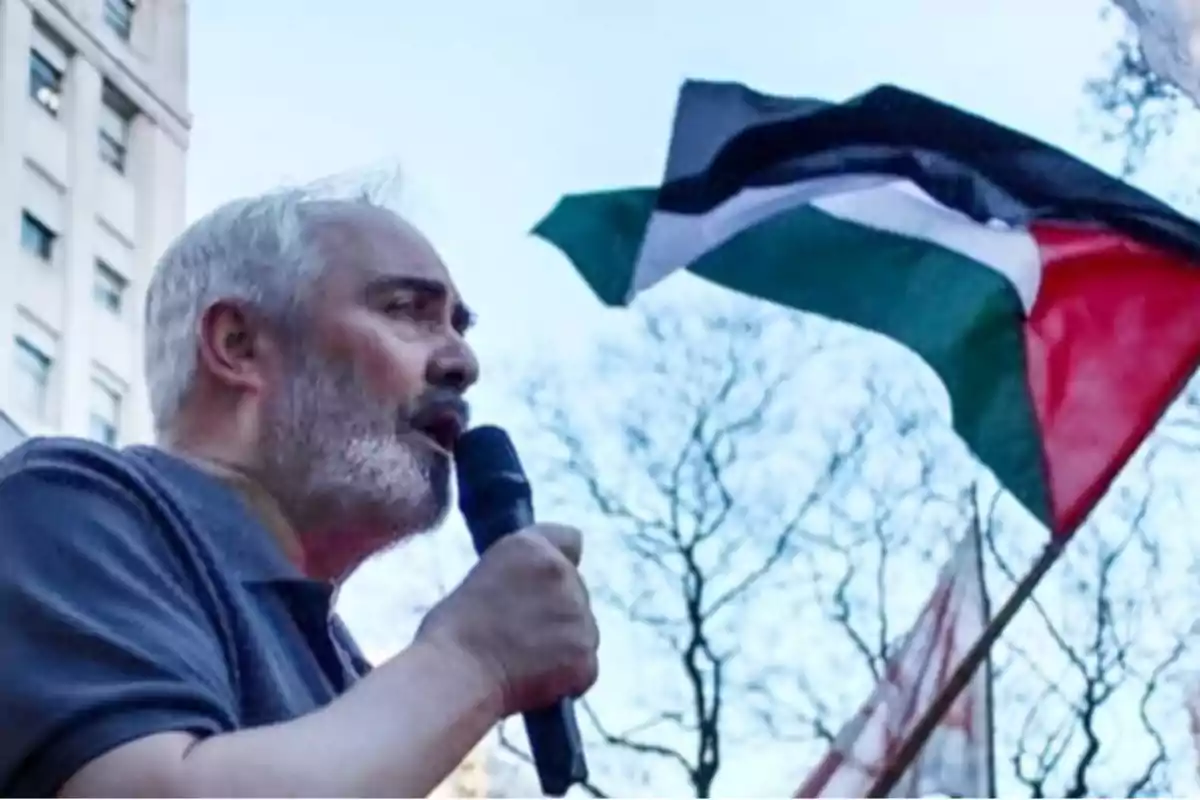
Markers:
{"x": 601, "y": 233}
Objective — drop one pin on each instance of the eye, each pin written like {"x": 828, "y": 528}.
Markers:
{"x": 405, "y": 304}
{"x": 413, "y": 306}
{"x": 396, "y": 306}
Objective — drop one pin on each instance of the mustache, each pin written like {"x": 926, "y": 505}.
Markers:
{"x": 438, "y": 402}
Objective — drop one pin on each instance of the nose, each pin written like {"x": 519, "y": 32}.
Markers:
{"x": 453, "y": 367}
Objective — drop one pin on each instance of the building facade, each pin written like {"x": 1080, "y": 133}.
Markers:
{"x": 10, "y": 434}
{"x": 93, "y": 140}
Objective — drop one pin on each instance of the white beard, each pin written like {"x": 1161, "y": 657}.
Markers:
{"x": 335, "y": 451}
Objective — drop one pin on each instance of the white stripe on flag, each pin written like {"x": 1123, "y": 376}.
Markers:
{"x": 673, "y": 241}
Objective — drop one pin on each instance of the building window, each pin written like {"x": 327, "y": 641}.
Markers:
{"x": 36, "y": 238}
{"x": 104, "y": 419}
{"x": 31, "y": 381}
{"x": 108, "y": 287}
{"x": 118, "y": 15}
{"x": 45, "y": 82}
{"x": 116, "y": 119}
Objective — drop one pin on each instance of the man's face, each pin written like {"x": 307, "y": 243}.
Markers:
{"x": 368, "y": 403}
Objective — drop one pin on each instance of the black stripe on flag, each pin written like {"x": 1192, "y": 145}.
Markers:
{"x": 727, "y": 137}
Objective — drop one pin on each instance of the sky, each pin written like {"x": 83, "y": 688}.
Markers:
{"x": 492, "y": 110}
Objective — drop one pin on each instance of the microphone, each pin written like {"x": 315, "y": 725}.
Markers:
{"x": 496, "y": 499}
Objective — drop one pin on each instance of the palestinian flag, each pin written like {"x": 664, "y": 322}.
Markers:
{"x": 1059, "y": 306}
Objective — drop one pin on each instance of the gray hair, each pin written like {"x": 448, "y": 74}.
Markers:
{"x": 253, "y": 250}
{"x": 256, "y": 250}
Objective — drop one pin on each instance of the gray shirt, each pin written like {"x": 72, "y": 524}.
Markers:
{"x": 140, "y": 595}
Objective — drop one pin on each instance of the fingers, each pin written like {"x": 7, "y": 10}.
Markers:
{"x": 534, "y": 612}
{"x": 583, "y": 677}
{"x": 569, "y": 542}
{"x": 565, "y": 539}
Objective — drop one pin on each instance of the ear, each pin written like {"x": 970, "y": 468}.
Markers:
{"x": 234, "y": 346}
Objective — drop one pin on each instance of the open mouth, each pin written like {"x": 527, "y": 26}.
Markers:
{"x": 442, "y": 426}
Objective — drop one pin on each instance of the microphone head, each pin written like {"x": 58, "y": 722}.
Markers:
{"x": 488, "y": 469}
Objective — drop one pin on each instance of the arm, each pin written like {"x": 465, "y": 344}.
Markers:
{"x": 397, "y": 733}
{"x": 113, "y": 679}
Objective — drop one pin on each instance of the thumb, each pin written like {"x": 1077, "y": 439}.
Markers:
{"x": 564, "y": 539}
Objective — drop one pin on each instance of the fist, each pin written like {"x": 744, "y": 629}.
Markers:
{"x": 523, "y": 617}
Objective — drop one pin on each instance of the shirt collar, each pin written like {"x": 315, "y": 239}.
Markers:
{"x": 248, "y": 525}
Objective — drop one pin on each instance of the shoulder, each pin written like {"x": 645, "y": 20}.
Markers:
{"x": 73, "y": 471}
{"x": 68, "y": 460}
{"x": 60, "y": 494}
{"x": 108, "y": 635}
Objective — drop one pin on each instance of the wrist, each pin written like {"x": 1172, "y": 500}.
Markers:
{"x": 474, "y": 675}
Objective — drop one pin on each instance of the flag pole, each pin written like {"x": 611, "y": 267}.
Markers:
{"x": 989, "y": 674}
{"x": 989, "y": 678}
{"x": 972, "y": 661}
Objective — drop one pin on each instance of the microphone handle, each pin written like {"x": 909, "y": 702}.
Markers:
{"x": 554, "y": 738}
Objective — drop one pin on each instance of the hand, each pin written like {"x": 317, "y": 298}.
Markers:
{"x": 522, "y": 616}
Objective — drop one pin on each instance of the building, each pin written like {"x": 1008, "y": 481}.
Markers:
{"x": 93, "y": 139}
{"x": 10, "y": 434}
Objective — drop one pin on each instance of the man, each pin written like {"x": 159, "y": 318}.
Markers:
{"x": 165, "y": 613}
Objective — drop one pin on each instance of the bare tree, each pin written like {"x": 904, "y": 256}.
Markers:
{"x": 769, "y": 498}
{"x": 1092, "y": 683}
{"x": 1118, "y": 665}
{"x": 725, "y": 489}
{"x": 701, "y": 510}
{"x": 1089, "y": 681}
{"x": 1137, "y": 108}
